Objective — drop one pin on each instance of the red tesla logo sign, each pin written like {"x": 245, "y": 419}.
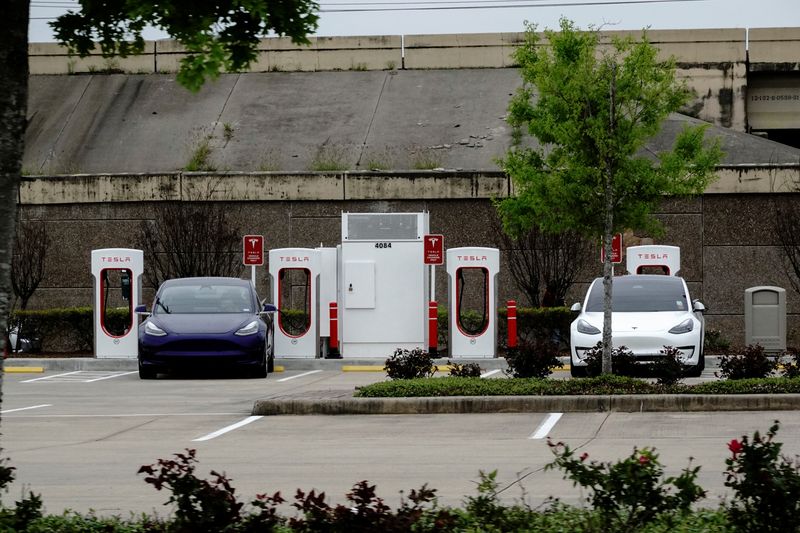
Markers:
{"x": 434, "y": 249}
{"x": 253, "y": 250}
{"x": 616, "y": 249}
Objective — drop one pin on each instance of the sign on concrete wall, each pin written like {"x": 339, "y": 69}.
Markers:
{"x": 773, "y": 107}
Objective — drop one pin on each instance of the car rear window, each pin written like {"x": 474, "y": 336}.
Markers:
{"x": 641, "y": 294}
{"x": 204, "y": 299}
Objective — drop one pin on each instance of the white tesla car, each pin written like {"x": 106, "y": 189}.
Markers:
{"x": 649, "y": 312}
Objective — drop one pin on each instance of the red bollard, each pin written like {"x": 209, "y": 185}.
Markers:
{"x": 334, "y": 338}
{"x": 433, "y": 328}
{"x": 511, "y": 306}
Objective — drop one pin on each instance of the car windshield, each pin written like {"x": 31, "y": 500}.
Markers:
{"x": 641, "y": 294}
{"x": 204, "y": 298}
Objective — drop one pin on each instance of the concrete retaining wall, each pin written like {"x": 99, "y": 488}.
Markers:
{"x": 713, "y": 62}
{"x": 727, "y": 240}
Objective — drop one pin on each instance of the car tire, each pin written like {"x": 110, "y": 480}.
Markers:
{"x": 271, "y": 364}
{"x": 578, "y": 371}
{"x": 697, "y": 370}
{"x": 146, "y": 373}
{"x": 261, "y": 370}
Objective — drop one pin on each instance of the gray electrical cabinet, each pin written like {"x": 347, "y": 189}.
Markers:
{"x": 765, "y": 318}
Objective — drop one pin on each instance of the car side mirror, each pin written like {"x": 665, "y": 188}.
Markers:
{"x": 698, "y": 306}
{"x": 141, "y": 310}
{"x": 269, "y": 308}
{"x": 576, "y": 307}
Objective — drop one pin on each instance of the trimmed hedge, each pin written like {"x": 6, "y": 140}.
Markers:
{"x": 605, "y": 385}
{"x": 544, "y": 323}
{"x": 63, "y": 330}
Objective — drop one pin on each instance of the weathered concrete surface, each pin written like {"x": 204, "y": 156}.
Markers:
{"x": 529, "y": 404}
{"x": 332, "y": 121}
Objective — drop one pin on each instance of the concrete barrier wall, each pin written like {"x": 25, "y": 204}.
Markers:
{"x": 727, "y": 240}
{"x": 713, "y": 62}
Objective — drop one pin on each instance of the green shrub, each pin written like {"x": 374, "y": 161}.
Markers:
{"x": 68, "y": 329}
{"x": 765, "y": 483}
{"x": 410, "y": 364}
{"x": 533, "y": 360}
{"x": 753, "y": 362}
{"x": 714, "y": 342}
{"x": 668, "y": 368}
{"x": 791, "y": 363}
{"x": 467, "y": 370}
{"x": 629, "y": 493}
{"x": 623, "y": 363}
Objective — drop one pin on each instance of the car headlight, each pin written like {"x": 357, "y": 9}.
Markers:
{"x": 684, "y": 327}
{"x": 152, "y": 329}
{"x": 586, "y": 328}
{"x": 249, "y": 329}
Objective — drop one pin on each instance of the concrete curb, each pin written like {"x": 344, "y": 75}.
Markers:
{"x": 530, "y": 404}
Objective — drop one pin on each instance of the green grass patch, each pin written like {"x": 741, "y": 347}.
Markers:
{"x": 604, "y": 385}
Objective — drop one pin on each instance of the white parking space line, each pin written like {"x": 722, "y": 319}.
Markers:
{"x": 81, "y": 376}
{"x": 546, "y": 426}
{"x": 490, "y": 373}
{"x": 300, "y": 375}
{"x": 51, "y": 377}
{"x": 4, "y": 411}
{"x": 111, "y": 376}
{"x": 226, "y": 429}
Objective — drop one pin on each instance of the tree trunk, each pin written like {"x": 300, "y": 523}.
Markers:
{"x": 13, "y": 110}
{"x": 608, "y": 275}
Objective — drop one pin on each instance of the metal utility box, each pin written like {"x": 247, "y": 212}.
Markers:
{"x": 765, "y": 317}
{"x": 383, "y": 283}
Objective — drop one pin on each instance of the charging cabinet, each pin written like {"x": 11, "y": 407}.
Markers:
{"x": 383, "y": 283}
{"x": 294, "y": 275}
{"x": 117, "y": 274}
{"x": 472, "y": 274}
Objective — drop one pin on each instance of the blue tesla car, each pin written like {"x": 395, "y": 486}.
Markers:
{"x": 206, "y": 324}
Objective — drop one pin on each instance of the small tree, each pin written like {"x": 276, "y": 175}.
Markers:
{"x": 544, "y": 265}
{"x": 592, "y": 110}
{"x": 787, "y": 229}
{"x": 31, "y": 244}
{"x": 187, "y": 239}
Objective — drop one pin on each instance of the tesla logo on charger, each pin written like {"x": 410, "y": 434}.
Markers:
{"x": 293, "y": 259}
{"x": 653, "y": 256}
{"x": 116, "y": 259}
{"x": 472, "y": 258}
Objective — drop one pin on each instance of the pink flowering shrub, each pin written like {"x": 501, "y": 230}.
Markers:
{"x": 629, "y": 493}
{"x": 766, "y": 485}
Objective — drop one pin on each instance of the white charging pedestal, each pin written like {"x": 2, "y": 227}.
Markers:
{"x": 384, "y": 284}
{"x": 472, "y": 275}
{"x": 653, "y": 259}
{"x": 117, "y": 274}
{"x": 294, "y": 274}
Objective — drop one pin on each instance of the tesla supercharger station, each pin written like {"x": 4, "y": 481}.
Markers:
{"x": 653, "y": 259}
{"x": 295, "y": 290}
{"x": 117, "y": 274}
{"x": 383, "y": 284}
{"x": 472, "y": 275}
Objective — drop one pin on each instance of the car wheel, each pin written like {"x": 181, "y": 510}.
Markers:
{"x": 146, "y": 373}
{"x": 261, "y": 370}
{"x": 697, "y": 370}
{"x": 271, "y": 364}
{"x": 578, "y": 371}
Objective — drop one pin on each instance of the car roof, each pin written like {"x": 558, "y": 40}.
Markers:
{"x": 208, "y": 280}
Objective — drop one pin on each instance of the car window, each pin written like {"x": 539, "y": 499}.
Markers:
{"x": 204, "y": 299}
{"x": 641, "y": 294}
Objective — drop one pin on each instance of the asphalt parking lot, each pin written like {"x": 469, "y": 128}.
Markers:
{"x": 79, "y": 436}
